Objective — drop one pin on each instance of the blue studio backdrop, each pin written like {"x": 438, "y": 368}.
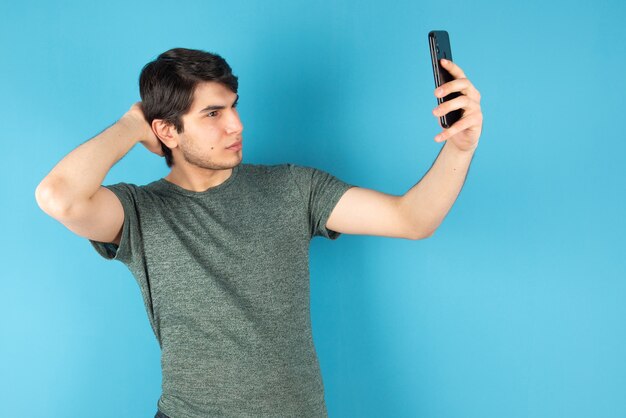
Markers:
{"x": 513, "y": 308}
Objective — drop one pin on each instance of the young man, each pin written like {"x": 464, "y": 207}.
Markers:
{"x": 220, "y": 248}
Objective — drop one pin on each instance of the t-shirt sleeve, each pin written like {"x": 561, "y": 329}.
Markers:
{"x": 321, "y": 192}
{"x": 130, "y": 238}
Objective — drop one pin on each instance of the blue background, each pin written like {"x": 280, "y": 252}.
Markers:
{"x": 513, "y": 308}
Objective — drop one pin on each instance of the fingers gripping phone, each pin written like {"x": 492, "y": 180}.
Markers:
{"x": 439, "y": 42}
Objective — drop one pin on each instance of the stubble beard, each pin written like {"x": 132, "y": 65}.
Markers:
{"x": 195, "y": 159}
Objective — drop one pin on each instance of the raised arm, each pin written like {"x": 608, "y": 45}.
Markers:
{"x": 420, "y": 211}
{"x": 72, "y": 192}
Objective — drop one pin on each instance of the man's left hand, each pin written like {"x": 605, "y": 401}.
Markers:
{"x": 465, "y": 132}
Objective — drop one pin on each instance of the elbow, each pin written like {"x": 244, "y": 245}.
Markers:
{"x": 422, "y": 235}
{"x": 48, "y": 200}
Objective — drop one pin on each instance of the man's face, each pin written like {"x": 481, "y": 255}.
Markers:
{"x": 210, "y": 127}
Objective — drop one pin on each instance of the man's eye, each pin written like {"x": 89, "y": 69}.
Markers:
{"x": 210, "y": 113}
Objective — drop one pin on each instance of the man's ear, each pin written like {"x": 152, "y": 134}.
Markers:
{"x": 166, "y": 132}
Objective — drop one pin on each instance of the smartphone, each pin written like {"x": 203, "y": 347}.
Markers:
{"x": 439, "y": 43}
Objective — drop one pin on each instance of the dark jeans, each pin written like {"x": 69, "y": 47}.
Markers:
{"x": 160, "y": 414}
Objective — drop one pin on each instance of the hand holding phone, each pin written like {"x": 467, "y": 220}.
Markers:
{"x": 439, "y": 43}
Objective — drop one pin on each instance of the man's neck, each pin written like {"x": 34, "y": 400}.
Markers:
{"x": 198, "y": 180}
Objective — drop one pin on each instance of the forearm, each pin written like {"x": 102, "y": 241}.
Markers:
{"x": 428, "y": 202}
{"x": 79, "y": 174}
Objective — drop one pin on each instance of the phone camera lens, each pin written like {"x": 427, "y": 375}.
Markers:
{"x": 437, "y": 48}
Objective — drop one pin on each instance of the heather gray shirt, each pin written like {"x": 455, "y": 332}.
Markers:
{"x": 224, "y": 276}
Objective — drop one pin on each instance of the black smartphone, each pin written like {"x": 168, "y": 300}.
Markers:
{"x": 439, "y": 42}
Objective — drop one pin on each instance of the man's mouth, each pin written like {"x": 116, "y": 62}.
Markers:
{"x": 236, "y": 146}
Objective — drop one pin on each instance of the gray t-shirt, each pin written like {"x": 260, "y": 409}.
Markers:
{"x": 224, "y": 276}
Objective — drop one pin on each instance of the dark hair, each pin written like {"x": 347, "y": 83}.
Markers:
{"x": 167, "y": 85}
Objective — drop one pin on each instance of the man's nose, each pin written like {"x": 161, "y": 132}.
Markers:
{"x": 234, "y": 123}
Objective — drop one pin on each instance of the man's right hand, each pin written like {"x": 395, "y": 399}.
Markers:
{"x": 135, "y": 119}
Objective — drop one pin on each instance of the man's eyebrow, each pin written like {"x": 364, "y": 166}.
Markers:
{"x": 214, "y": 107}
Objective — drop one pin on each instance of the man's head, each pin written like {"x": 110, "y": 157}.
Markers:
{"x": 174, "y": 89}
